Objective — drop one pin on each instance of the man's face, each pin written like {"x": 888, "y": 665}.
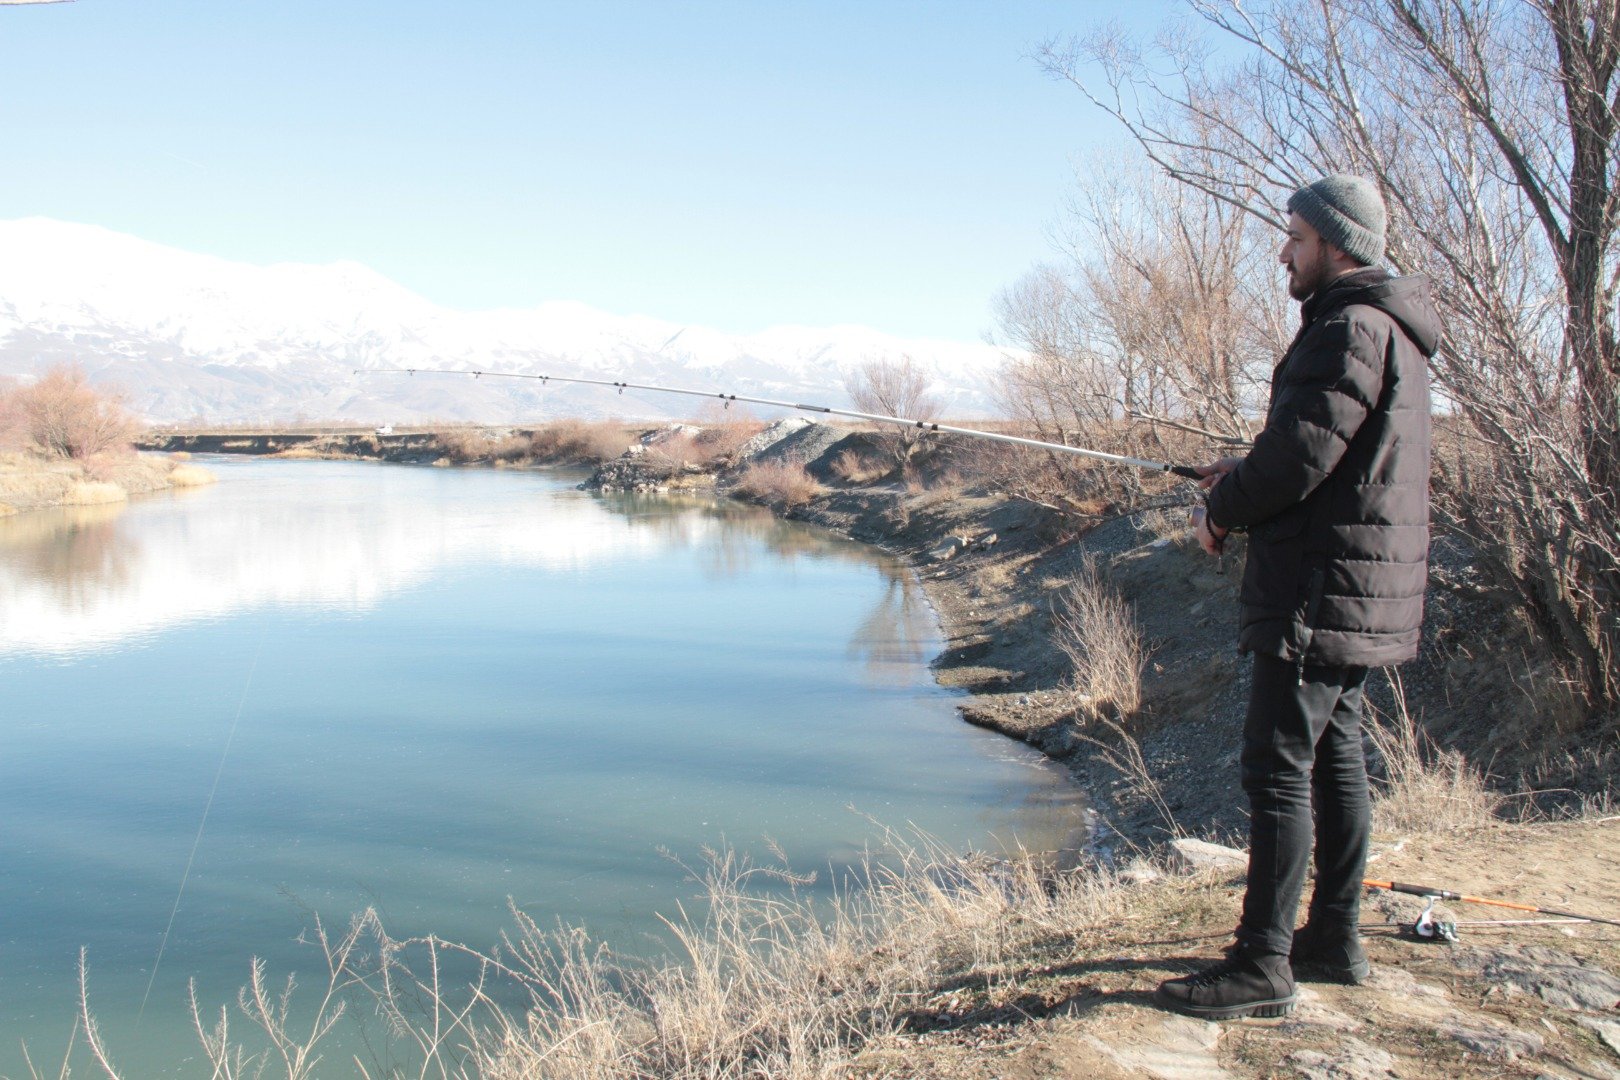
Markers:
{"x": 1308, "y": 258}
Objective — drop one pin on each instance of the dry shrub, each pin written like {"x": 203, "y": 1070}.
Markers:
{"x": 853, "y": 467}
{"x": 507, "y": 448}
{"x": 723, "y": 436}
{"x": 62, "y": 414}
{"x": 784, "y": 483}
{"x": 578, "y": 442}
{"x": 1424, "y": 788}
{"x": 1094, "y": 629}
{"x": 94, "y": 492}
{"x": 674, "y": 454}
{"x": 190, "y": 476}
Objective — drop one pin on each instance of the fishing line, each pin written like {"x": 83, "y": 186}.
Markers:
{"x": 201, "y": 825}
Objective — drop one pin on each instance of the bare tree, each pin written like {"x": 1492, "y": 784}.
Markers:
{"x": 894, "y": 388}
{"x": 1490, "y": 129}
{"x": 61, "y": 413}
{"x": 1157, "y": 312}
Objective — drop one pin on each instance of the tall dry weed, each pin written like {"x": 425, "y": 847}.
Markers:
{"x": 773, "y": 978}
{"x": 1423, "y": 787}
{"x": 1094, "y": 628}
{"x": 853, "y": 467}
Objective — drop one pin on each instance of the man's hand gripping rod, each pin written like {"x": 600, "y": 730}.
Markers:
{"x": 924, "y": 425}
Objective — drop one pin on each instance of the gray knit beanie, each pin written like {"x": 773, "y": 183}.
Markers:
{"x": 1348, "y": 212}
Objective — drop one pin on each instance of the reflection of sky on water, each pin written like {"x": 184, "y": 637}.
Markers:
{"x": 87, "y": 577}
{"x": 431, "y": 691}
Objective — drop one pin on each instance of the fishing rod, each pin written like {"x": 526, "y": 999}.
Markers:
{"x": 1430, "y": 892}
{"x": 1188, "y": 471}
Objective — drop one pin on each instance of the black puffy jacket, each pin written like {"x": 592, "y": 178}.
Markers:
{"x": 1335, "y": 493}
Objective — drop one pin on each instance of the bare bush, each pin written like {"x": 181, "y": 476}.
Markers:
{"x": 1490, "y": 131}
{"x": 61, "y": 413}
{"x": 894, "y": 388}
{"x": 1094, "y": 629}
{"x": 781, "y": 483}
{"x": 579, "y": 442}
{"x": 724, "y": 431}
{"x": 854, "y": 467}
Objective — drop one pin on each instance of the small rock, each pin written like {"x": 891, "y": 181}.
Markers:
{"x": 1607, "y": 1030}
{"x": 986, "y": 542}
{"x": 1498, "y": 1043}
{"x": 947, "y": 549}
{"x": 1355, "y": 1060}
{"x": 1189, "y": 856}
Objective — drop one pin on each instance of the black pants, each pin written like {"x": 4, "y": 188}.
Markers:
{"x": 1302, "y": 752}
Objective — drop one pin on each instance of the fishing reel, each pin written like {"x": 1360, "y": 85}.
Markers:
{"x": 1430, "y": 927}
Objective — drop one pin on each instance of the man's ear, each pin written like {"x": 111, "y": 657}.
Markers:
{"x": 1341, "y": 262}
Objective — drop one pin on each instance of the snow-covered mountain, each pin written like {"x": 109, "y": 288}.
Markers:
{"x": 192, "y": 337}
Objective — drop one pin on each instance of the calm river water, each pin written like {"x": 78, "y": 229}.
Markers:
{"x": 429, "y": 691}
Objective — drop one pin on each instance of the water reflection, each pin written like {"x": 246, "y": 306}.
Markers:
{"x": 92, "y": 577}
{"x": 74, "y": 553}
{"x": 432, "y": 691}
{"x": 898, "y": 633}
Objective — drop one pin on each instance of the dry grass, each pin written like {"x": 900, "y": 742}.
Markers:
{"x": 474, "y": 445}
{"x": 771, "y": 981}
{"x": 723, "y": 435}
{"x": 94, "y": 492}
{"x": 1424, "y": 788}
{"x": 185, "y": 476}
{"x": 854, "y": 467}
{"x": 579, "y": 442}
{"x": 1093, "y": 627}
{"x": 779, "y": 483}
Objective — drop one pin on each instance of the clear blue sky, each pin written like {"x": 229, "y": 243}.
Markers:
{"x": 730, "y": 164}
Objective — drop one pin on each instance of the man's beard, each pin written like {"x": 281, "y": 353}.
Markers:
{"x": 1305, "y": 280}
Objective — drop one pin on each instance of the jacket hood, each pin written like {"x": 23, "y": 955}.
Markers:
{"x": 1407, "y": 300}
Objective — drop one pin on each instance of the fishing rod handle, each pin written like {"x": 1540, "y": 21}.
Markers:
{"x": 1413, "y": 890}
{"x": 1189, "y": 471}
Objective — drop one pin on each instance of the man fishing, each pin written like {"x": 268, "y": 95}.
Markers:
{"x": 1335, "y": 498}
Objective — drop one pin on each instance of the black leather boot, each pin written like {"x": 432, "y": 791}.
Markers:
{"x": 1244, "y": 984}
{"x": 1330, "y": 953}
